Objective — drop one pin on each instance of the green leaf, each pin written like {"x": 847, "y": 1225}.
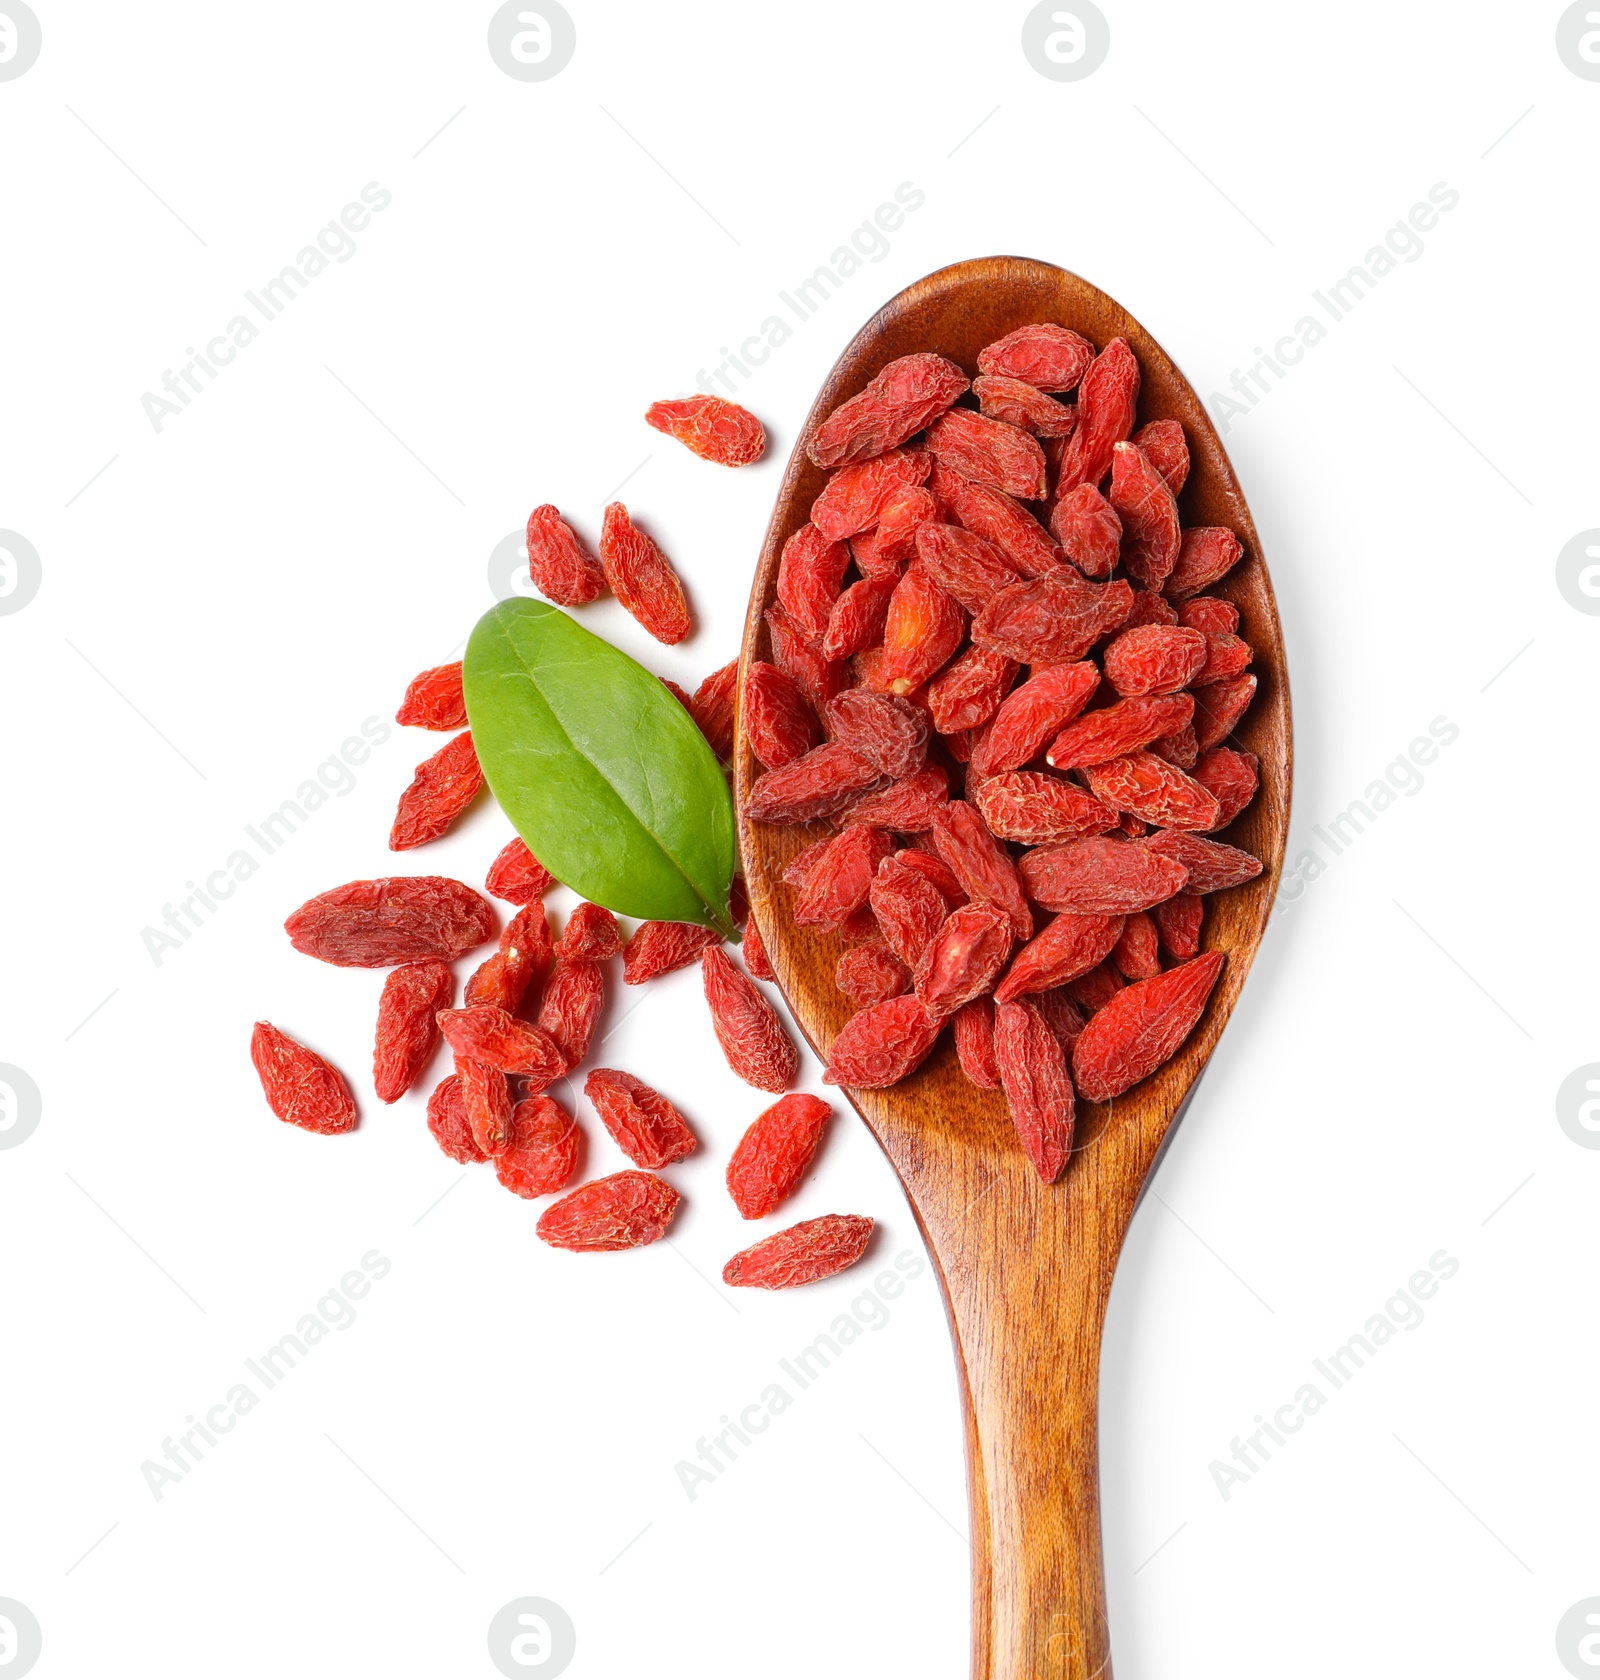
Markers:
{"x": 603, "y": 773}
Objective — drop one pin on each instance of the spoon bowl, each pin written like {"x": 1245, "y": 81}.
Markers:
{"x": 1025, "y": 1266}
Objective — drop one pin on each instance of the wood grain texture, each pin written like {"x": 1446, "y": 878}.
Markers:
{"x": 1026, "y": 1267}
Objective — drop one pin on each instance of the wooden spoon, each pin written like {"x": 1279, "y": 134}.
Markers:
{"x": 1026, "y": 1267}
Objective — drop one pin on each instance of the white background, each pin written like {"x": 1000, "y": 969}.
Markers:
{"x": 223, "y": 601}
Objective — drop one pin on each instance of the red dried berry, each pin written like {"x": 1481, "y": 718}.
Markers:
{"x": 1089, "y": 531}
{"x": 711, "y": 706}
{"x": 855, "y": 496}
{"x": 1226, "y": 656}
{"x": 1206, "y": 553}
{"x": 967, "y": 568}
{"x": 1121, "y": 728}
{"x": 901, "y": 401}
{"x": 544, "y": 1149}
{"x": 1142, "y": 1027}
{"x": 858, "y": 617}
{"x": 868, "y": 974}
{"x": 989, "y": 452}
{"x": 1061, "y": 1015}
{"x": 896, "y": 534}
{"x": 966, "y": 694}
{"x": 1209, "y": 614}
{"x": 647, "y": 1128}
{"x": 1100, "y": 877}
{"x": 910, "y": 909}
{"x": 712, "y": 427}
{"x": 840, "y": 879}
{"x": 994, "y": 516}
{"x": 1232, "y": 776}
{"x": 923, "y": 859}
{"x": 963, "y": 959}
{"x": 805, "y": 1253}
{"x": 817, "y": 677}
{"x": 1212, "y": 866}
{"x": 483, "y": 1033}
{"x": 1179, "y": 921}
{"x": 407, "y": 1031}
{"x": 756, "y": 961}
{"x": 1094, "y": 990}
{"x": 1149, "y": 608}
{"x": 772, "y": 1157}
{"x": 660, "y": 947}
{"x": 626, "y": 1210}
{"x": 519, "y": 964}
{"x": 1036, "y": 810}
{"x": 881, "y": 1045}
{"x": 561, "y": 567}
{"x": 923, "y": 629}
{"x": 752, "y": 1037}
{"x": 1167, "y": 449}
{"x": 396, "y": 919}
{"x": 1070, "y": 946}
{"x": 1035, "y": 712}
{"x": 443, "y": 787}
{"x": 517, "y": 876}
{"x": 1051, "y": 619}
{"x": 778, "y": 718}
{"x": 1022, "y": 405}
{"x": 822, "y": 782}
{"x": 642, "y": 578}
{"x": 447, "y": 1120}
{"x": 1151, "y": 788}
{"x": 1149, "y": 516}
{"x": 884, "y": 729}
{"x": 1154, "y": 659}
{"x": 1181, "y": 747}
{"x": 434, "y": 700}
{"x": 1107, "y": 396}
{"x": 486, "y": 1097}
{"x": 1219, "y": 706}
{"x": 810, "y": 575}
{"x": 571, "y": 1006}
{"x": 907, "y": 807}
{"x": 1033, "y": 1074}
{"x": 1138, "y": 951}
{"x": 300, "y": 1086}
{"x": 973, "y": 1029}
{"x": 980, "y": 864}
{"x": 591, "y": 935}
{"x": 1047, "y": 356}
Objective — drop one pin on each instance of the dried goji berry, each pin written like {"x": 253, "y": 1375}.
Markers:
{"x": 483, "y": 1033}
{"x": 909, "y": 907}
{"x": 447, "y": 1120}
{"x": 805, "y": 1253}
{"x": 882, "y": 1044}
{"x": 968, "y": 691}
{"x": 963, "y": 959}
{"x": 407, "y": 1031}
{"x": 756, "y": 961}
{"x": 1142, "y": 1027}
{"x": 1050, "y": 619}
{"x": 1061, "y": 1015}
{"x": 1179, "y": 920}
{"x": 434, "y": 700}
{"x": 1047, "y": 356}
{"x": 907, "y": 806}
{"x": 810, "y": 575}
{"x": 908, "y": 393}
{"x": 817, "y": 678}
{"x": 884, "y": 729}
{"x": 443, "y": 787}
{"x": 660, "y": 947}
{"x": 1154, "y": 659}
{"x": 1232, "y": 776}
{"x": 1134, "y": 827}
{"x": 1206, "y": 553}
{"x": 486, "y": 1097}
{"x": 1033, "y": 1074}
{"x": 711, "y": 706}
{"x": 855, "y": 496}
{"x": 1023, "y": 406}
{"x": 752, "y": 1037}
{"x": 626, "y": 1210}
{"x": 642, "y": 578}
{"x": 520, "y": 962}
{"x": 517, "y": 876}
{"x": 869, "y": 974}
{"x": 1035, "y": 809}
{"x": 1167, "y": 449}
{"x": 989, "y": 452}
{"x": 1209, "y": 614}
{"x": 712, "y": 427}
{"x": 969, "y": 569}
{"x": 1100, "y": 877}
{"x": 778, "y": 718}
{"x": 772, "y": 1157}
{"x": 1071, "y": 945}
{"x": 841, "y": 877}
{"x": 570, "y": 1007}
{"x": 544, "y": 1149}
{"x": 1152, "y": 788}
{"x": 591, "y": 935}
{"x": 973, "y": 1029}
{"x": 1148, "y": 513}
{"x": 1226, "y": 656}
{"x": 1118, "y": 729}
{"x": 797, "y": 871}
{"x": 896, "y": 533}
{"x": 1138, "y": 951}
{"x": 923, "y": 629}
{"x": 823, "y": 781}
{"x": 1212, "y": 866}
{"x": 647, "y": 1128}
{"x": 1149, "y": 608}
{"x": 981, "y": 864}
{"x": 1089, "y": 531}
{"x": 1094, "y": 990}
{"x": 396, "y": 919}
{"x": 922, "y": 858}
{"x": 300, "y": 1086}
{"x": 1219, "y": 706}
{"x": 1181, "y": 747}
{"x": 858, "y": 617}
{"x": 560, "y": 566}
{"x": 1107, "y": 396}
{"x": 994, "y": 516}
{"x": 1035, "y": 712}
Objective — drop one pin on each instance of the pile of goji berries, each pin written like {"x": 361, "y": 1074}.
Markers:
{"x": 530, "y": 1008}
{"x": 996, "y": 673}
